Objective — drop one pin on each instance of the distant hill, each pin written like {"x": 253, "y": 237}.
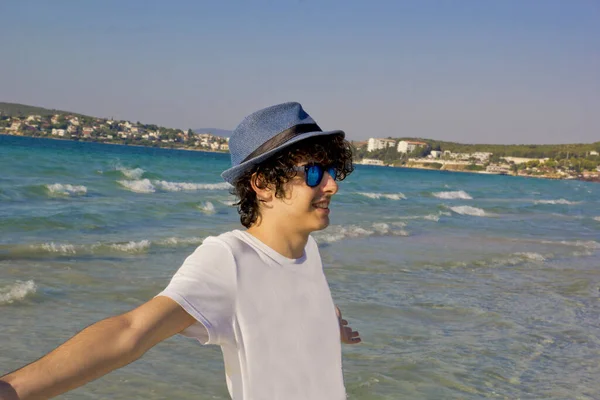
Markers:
{"x": 213, "y": 131}
{"x": 16, "y": 110}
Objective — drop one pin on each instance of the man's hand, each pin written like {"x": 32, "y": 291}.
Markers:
{"x": 347, "y": 335}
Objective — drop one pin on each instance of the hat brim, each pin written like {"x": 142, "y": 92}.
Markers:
{"x": 230, "y": 175}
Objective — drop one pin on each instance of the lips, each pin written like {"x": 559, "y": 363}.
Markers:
{"x": 324, "y": 204}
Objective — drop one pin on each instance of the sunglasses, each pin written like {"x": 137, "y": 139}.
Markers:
{"x": 313, "y": 173}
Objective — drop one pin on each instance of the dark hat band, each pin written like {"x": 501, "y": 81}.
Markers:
{"x": 281, "y": 138}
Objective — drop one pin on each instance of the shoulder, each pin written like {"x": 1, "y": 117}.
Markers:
{"x": 236, "y": 242}
{"x": 212, "y": 245}
{"x": 212, "y": 256}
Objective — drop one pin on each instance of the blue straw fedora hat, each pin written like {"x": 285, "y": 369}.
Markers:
{"x": 267, "y": 131}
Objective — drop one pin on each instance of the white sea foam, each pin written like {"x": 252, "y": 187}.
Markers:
{"x": 131, "y": 247}
{"x": 531, "y": 256}
{"x": 103, "y": 247}
{"x": 586, "y": 244}
{"x": 512, "y": 259}
{"x": 207, "y": 208}
{"x": 596, "y": 219}
{"x": 468, "y": 210}
{"x": 58, "y": 248}
{"x": 131, "y": 173}
{"x": 176, "y": 241}
{"x": 229, "y": 202}
{"x": 583, "y": 253}
{"x": 460, "y": 194}
{"x": 429, "y": 217}
{"x": 432, "y": 217}
{"x": 138, "y": 186}
{"x": 147, "y": 186}
{"x": 559, "y": 201}
{"x": 181, "y": 186}
{"x": 391, "y": 196}
{"x": 66, "y": 189}
{"x": 16, "y": 292}
{"x": 338, "y": 232}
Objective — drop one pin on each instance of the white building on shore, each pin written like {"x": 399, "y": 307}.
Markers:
{"x": 370, "y": 161}
{"x": 406, "y": 146}
{"x": 377, "y": 144}
{"x": 521, "y": 160}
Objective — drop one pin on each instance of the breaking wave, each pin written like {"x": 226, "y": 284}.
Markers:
{"x": 16, "y": 292}
{"x": 58, "y": 248}
{"x": 66, "y": 189}
{"x": 597, "y": 219}
{"x": 583, "y": 247}
{"x": 391, "y": 196}
{"x": 132, "y": 247}
{"x": 468, "y": 210}
{"x": 131, "y": 173}
{"x": 147, "y": 186}
{"x": 52, "y": 249}
{"x": 139, "y": 186}
{"x": 513, "y": 259}
{"x": 586, "y": 244}
{"x": 429, "y": 217}
{"x": 559, "y": 201}
{"x": 531, "y": 256}
{"x": 207, "y": 208}
{"x": 175, "y": 241}
{"x": 179, "y": 186}
{"x": 117, "y": 170}
{"x": 460, "y": 194}
{"x": 339, "y": 232}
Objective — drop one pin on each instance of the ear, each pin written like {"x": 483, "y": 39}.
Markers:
{"x": 264, "y": 192}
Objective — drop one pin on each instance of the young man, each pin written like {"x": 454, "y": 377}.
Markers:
{"x": 259, "y": 293}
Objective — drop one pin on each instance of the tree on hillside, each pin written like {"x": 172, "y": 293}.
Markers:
{"x": 420, "y": 152}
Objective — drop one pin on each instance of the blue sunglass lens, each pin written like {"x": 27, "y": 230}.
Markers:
{"x": 332, "y": 172}
{"x": 314, "y": 174}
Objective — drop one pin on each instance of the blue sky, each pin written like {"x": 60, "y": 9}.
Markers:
{"x": 467, "y": 71}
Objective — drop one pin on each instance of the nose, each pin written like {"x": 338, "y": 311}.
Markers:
{"x": 329, "y": 183}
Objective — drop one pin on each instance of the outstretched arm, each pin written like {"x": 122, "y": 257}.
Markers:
{"x": 347, "y": 335}
{"x": 95, "y": 351}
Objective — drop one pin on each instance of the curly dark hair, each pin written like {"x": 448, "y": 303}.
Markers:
{"x": 277, "y": 170}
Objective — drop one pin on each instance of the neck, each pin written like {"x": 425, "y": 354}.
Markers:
{"x": 282, "y": 239}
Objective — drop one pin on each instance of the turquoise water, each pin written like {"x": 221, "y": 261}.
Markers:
{"x": 463, "y": 286}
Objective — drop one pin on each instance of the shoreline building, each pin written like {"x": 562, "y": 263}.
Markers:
{"x": 406, "y": 146}
{"x": 377, "y": 144}
{"x": 370, "y": 161}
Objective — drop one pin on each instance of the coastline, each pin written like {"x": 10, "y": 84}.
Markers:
{"x": 412, "y": 166}
{"x": 550, "y": 177}
{"x": 117, "y": 144}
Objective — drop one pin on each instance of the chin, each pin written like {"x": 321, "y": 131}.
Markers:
{"x": 322, "y": 225}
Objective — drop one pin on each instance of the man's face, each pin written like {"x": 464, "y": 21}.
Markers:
{"x": 304, "y": 208}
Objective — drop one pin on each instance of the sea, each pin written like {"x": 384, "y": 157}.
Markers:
{"x": 462, "y": 285}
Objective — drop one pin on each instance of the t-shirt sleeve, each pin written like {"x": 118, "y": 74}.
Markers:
{"x": 205, "y": 287}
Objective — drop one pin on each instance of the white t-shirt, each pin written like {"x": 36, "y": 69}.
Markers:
{"x": 273, "y": 317}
